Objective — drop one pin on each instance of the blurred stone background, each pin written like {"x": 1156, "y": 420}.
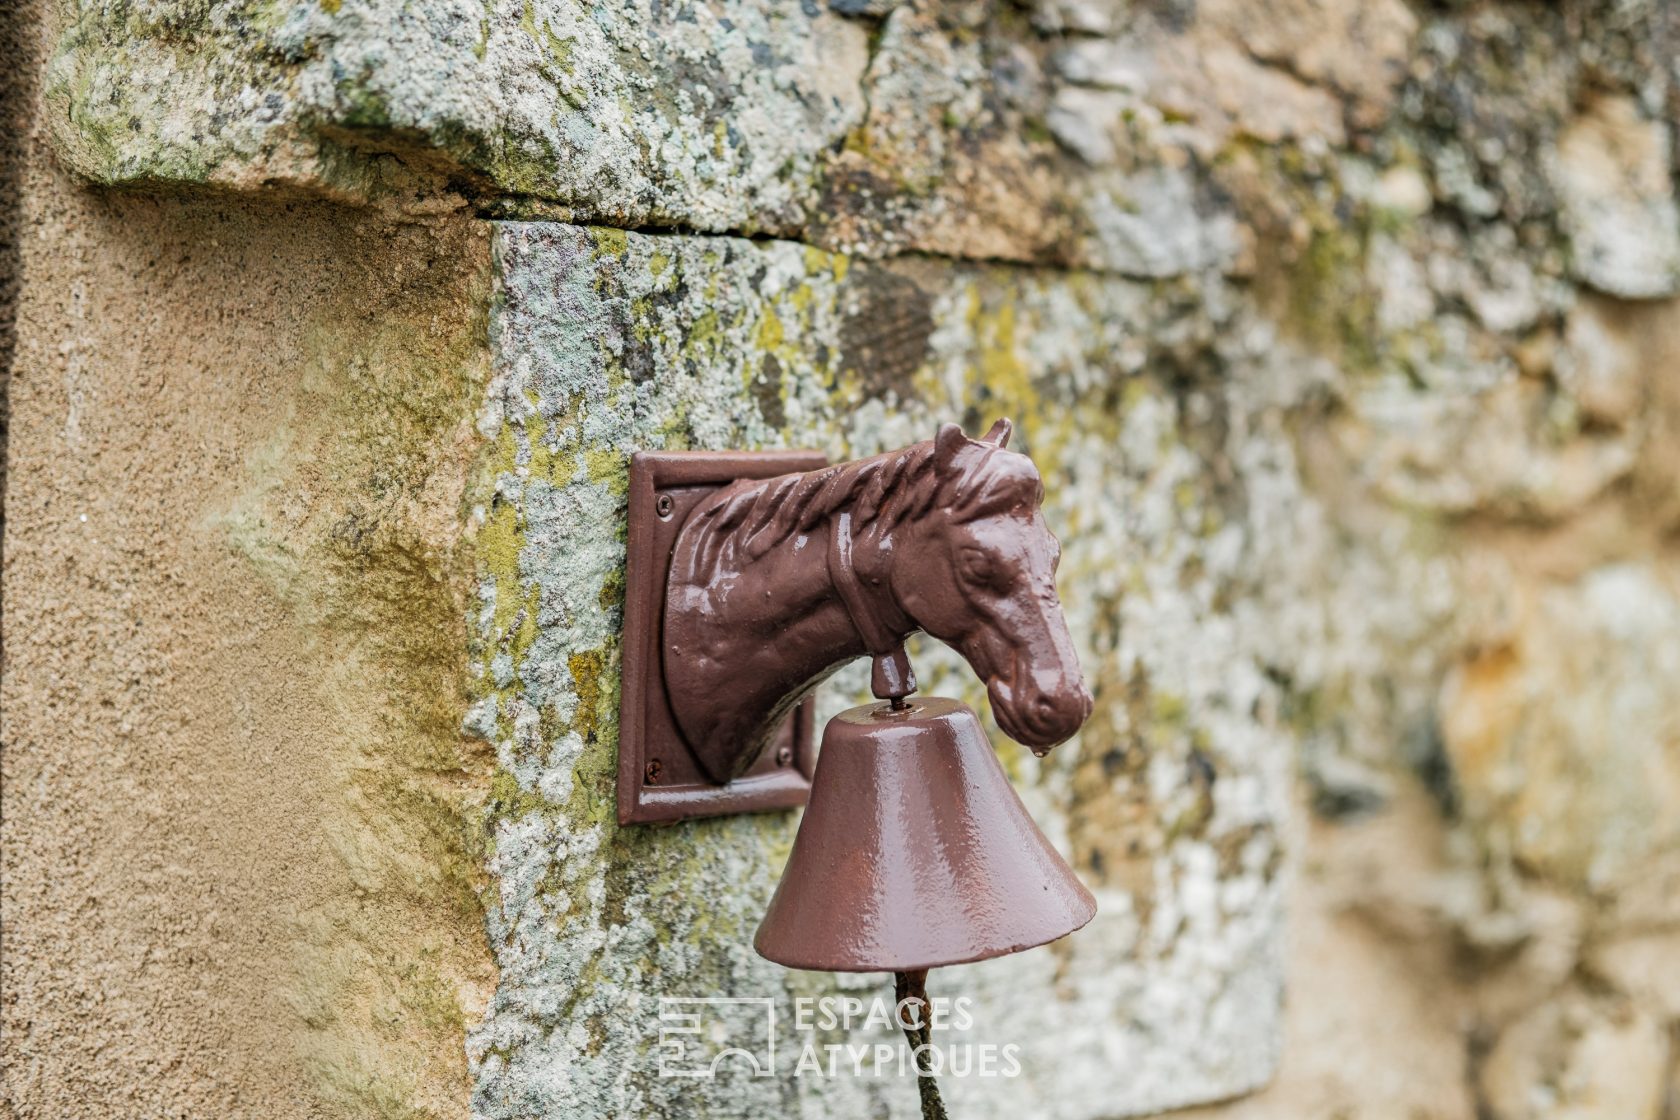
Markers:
{"x": 1343, "y": 333}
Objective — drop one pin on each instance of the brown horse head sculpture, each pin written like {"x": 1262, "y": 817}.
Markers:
{"x": 992, "y": 595}
{"x": 775, "y": 584}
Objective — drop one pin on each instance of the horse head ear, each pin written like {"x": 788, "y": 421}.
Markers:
{"x": 947, "y": 443}
{"x": 999, "y": 434}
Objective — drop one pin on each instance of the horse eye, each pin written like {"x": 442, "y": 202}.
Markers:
{"x": 980, "y": 568}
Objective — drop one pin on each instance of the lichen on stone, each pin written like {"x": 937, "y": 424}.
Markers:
{"x": 606, "y": 343}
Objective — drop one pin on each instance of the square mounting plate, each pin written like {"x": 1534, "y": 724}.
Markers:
{"x": 658, "y": 777}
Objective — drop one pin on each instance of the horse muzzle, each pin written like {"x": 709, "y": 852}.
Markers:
{"x": 1040, "y": 717}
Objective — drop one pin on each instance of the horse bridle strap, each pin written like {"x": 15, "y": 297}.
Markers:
{"x": 891, "y": 677}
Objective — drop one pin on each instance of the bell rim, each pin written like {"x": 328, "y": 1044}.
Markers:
{"x": 944, "y": 962}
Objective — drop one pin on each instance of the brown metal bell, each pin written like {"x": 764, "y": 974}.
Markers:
{"x": 915, "y": 852}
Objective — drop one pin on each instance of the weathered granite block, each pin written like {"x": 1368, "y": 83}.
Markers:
{"x": 1173, "y": 494}
{"x": 952, "y": 128}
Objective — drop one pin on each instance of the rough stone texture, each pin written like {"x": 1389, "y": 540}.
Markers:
{"x": 953, "y": 128}
{"x": 1354, "y": 321}
{"x": 1592, "y": 1060}
{"x": 1618, "y": 200}
{"x": 1579, "y": 788}
{"x": 1170, "y": 802}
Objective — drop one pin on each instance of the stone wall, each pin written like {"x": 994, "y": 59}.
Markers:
{"x": 1342, "y": 334}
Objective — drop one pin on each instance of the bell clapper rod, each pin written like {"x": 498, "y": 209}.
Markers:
{"x": 911, "y": 987}
{"x": 891, "y": 678}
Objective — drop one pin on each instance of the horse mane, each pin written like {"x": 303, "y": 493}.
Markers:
{"x": 880, "y": 492}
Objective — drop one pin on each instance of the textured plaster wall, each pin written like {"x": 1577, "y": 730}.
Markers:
{"x": 1344, "y": 332}
{"x": 240, "y": 854}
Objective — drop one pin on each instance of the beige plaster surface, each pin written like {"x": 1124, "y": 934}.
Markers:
{"x": 226, "y": 872}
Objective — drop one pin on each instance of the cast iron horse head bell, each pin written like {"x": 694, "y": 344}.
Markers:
{"x": 914, "y": 850}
